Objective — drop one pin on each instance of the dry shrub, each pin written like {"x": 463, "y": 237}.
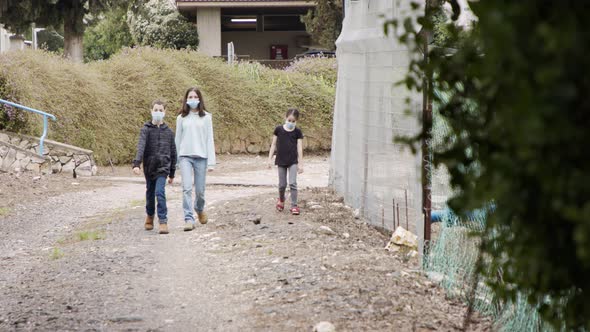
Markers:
{"x": 102, "y": 105}
{"x": 319, "y": 67}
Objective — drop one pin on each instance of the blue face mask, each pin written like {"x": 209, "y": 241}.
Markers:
{"x": 193, "y": 104}
{"x": 290, "y": 125}
{"x": 157, "y": 116}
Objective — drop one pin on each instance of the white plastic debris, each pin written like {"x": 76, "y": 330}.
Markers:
{"x": 311, "y": 203}
{"x": 324, "y": 327}
{"x": 326, "y": 230}
{"x": 357, "y": 214}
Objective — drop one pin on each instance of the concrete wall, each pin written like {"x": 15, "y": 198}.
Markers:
{"x": 257, "y": 44}
{"x": 367, "y": 167}
{"x": 10, "y": 44}
{"x": 17, "y": 43}
{"x": 209, "y": 28}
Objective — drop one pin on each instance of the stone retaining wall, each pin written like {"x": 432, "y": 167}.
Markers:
{"x": 19, "y": 153}
{"x": 257, "y": 145}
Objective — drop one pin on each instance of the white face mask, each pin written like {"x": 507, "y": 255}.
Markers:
{"x": 290, "y": 125}
{"x": 158, "y": 116}
{"x": 193, "y": 103}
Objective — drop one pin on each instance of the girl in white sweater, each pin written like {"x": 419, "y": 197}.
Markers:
{"x": 196, "y": 154}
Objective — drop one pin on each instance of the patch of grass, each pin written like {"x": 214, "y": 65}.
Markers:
{"x": 102, "y": 105}
{"x": 94, "y": 229}
{"x": 4, "y": 211}
{"x": 56, "y": 253}
{"x": 137, "y": 203}
{"x": 91, "y": 235}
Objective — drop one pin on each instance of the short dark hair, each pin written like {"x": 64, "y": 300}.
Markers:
{"x": 294, "y": 112}
{"x": 159, "y": 102}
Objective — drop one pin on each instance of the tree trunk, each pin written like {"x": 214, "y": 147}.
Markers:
{"x": 74, "y": 32}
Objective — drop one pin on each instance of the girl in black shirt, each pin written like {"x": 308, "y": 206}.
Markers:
{"x": 287, "y": 142}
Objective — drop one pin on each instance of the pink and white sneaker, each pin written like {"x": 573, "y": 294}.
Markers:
{"x": 295, "y": 211}
{"x": 280, "y": 205}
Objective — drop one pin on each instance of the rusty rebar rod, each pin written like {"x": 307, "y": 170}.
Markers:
{"x": 393, "y": 210}
{"x": 382, "y": 217}
{"x": 407, "y": 213}
{"x": 397, "y": 206}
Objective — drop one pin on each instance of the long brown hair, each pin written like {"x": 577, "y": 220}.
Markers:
{"x": 186, "y": 109}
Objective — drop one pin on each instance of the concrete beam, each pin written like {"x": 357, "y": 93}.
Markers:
{"x": 227, "y": 4}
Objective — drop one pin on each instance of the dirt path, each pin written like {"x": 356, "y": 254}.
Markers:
{"x": 82, "y": 261}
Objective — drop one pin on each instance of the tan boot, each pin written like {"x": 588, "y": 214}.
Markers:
{"x": 163, "y": 228}
{"x": 203, "y": 218}
{"x": 149, "y": 223}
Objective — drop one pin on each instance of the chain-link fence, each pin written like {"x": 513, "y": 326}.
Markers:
{"x": 454, "y": 252}
{"x": 382, "y": 178}
{"x": 369, "y": 168}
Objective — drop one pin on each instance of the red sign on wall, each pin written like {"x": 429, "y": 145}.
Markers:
{"x": 279, "y": 52}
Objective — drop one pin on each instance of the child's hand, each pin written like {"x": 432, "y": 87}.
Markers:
{"x": 170, "y": 180}
{"x": 136, "y": 171}
{"x": 300, "y": 169}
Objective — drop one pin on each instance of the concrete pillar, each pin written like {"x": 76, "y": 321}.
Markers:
{"x": 368, "y": 167}
{"x": 209, "y": 28}
{"x": 4, "y": 41}
{"x": 17, "y": 43}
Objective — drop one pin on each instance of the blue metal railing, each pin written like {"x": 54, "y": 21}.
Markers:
{"x": 45, "y": 116}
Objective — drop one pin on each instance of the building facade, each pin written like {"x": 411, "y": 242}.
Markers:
{"x": 259, "y": 29}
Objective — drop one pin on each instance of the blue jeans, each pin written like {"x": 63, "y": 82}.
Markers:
{"x": 156, "y": 188}
{"x": 193, "y": 168}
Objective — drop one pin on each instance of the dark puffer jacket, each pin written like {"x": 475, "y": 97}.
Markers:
{"x": 157, "y": 150}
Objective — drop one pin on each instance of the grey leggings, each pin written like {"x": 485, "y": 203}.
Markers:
{"x": 292, "y": 183}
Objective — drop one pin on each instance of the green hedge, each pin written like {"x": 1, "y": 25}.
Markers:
{"x": 102, "y": 105}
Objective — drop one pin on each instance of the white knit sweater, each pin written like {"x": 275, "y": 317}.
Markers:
{"x": 194, "y": 137}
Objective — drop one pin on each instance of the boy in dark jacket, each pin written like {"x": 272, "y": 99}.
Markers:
{"x": 157, "y": 150}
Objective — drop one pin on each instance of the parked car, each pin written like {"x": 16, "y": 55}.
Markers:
{"x": 317, "y": 53}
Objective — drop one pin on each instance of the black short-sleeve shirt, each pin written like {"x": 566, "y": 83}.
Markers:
{"x": 287, "y": 146}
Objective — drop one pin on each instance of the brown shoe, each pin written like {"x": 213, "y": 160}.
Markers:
{"x": 149, "y": 223}
{"x": 163, "y": 228}
{"x": 203, "y": 218}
